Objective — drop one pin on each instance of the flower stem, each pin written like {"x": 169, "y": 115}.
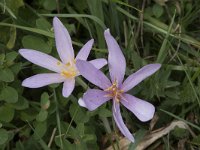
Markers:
{"x": 104, "y": 119}
{"x": 106, "y": 124}
{"x": 82, "y": 83}
{"x": 58, "y": 117}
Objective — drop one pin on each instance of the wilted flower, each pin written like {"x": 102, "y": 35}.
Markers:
{"x": 116, "y": 89}
{"x": 66, "y": 69}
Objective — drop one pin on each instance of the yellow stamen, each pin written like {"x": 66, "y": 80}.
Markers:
{"x": 68, "y": 64}
{"x": 114, "y": 92}
{"x": 68, "y": 74}
{"x": 69, "y": 69}
{"x": 58, "y": 63}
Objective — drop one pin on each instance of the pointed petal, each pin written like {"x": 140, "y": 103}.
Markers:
{"x": 120, "y": 123}
{"x": 94, "y": 98}
{"x": 143, "y": 110}
{"x": 43, "y": 79}
{"x": 139, "y": 76}
{"x": 82, "y": 103}
{"x": 63, "y": 41}
{"x": 68, "y": 87}
{"x": 98, "y": 63}
{"x": 116, "y": 60}
{"x": 85, "y": 50}
{"x": 92, "y": 74}
{"x": 41, "y": 59}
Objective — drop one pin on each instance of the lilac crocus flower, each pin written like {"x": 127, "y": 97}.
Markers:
{"x": 65, "y": 70}
{"x": 116, "y": 88}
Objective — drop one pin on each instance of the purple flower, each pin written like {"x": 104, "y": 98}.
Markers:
{"x": 65, "y": 70}
{"x": 116, "y": 89}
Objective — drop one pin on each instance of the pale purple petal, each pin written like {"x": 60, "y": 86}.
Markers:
{"x": 43, "y": 79}
{"x": 143, "y": 110}
{"x": 85, "y": 50}
{"x": 68, "y": 87}
{"x": 63, "y": 41}
{"x": 41, "y": 59}
{"x": 94, "y": 98}
{"x": 120, "y": 123}
{"x": 92, "y": 74}
{"x": 139, "y": 76}
{"x": 98, "y": 63}
{"x": 82, "y": 103}
{"x": 116, "y": 60}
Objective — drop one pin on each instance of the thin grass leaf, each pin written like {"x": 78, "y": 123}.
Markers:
{"x": 162, "y": 28}
{"x": 163, "y": 53}
{"x": 58, "y": 118}
{"x": 177, "y": 117}
{"x": 4, "y": 7}
{"x": 94, "y": 18}
{"x": 42, "y": 143}
{"x": 45, "y": 33}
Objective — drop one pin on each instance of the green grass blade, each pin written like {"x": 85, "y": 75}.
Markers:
{"x": 163, "y": 53}
{"x": 4, "y": 7}
{"x": 187, "y": 122}
{"x": 161, "y": 28}
{"x": 94, "y": 18}
{"x": 58, "y": 118}
{"x": 45, "y": 33}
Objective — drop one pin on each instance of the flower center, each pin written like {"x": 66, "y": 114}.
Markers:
{"x": 69, "y": 69}
{"x": 114, "y": 92}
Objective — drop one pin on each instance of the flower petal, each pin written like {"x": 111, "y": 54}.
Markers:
{"x": 68, "y": 87}
{"x": 116, "y": 60}
{"x": 41, "y": 59}
{"x": 63, "y": 41}
{"x": 139, "y": 76}
{"x": 85, "y": 50}
{"x": 94, "y": 98}
{"x": 120, "y": 123}
{"x": 98, "y": 63}
{"x": 43, "y": 79}
{"x": 143, "y": 110}
{"x": 82, "y": 103}
{"x": 92, "y": 74}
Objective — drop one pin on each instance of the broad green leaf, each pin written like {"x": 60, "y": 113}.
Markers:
{"x": 43, "y": 24}
{"x": 14, "y": 5}
{"x": 40, "y": 130}
{"x": 6, "y": 75}
{"x": 9, "y": 95}
{"x": 42, "y": 116}
{"x": 45, "y": 102}
{"x": 103, "y": 112}
{"x": 3, "y": 136}
{"x": 196, "y": 140}
{"x": 16, "y": 67}
{"x": 180, "y": 133}
{"x": 21, "y": 104}
{"x": 2, "y": 58}
{"x": 6, "y": 113}
{"x": 28, "y": 115}
{"x": 79, "y": 116}
{"x": 80, "y": 128}
{"x": 36, "y": 43}
{"x": 50, "y": 5}
{"x": 65, "y": 144}
{"x": 157, "y": 10}
{"x": 10, "y": 57}
{"x": 89, "y": 137}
